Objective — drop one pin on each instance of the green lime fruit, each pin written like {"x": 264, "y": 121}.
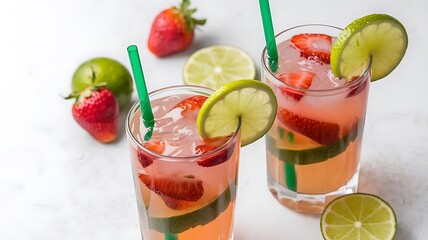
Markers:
{"x": 378, "y": 38}
{"x": 358, "y": 216}
{"x": 248, "y": 102}
{"x": 104, "y": 70}
{"x": 217, "y": 65}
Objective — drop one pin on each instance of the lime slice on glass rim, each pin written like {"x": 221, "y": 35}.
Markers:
{"x": 358, "y": 216}
{"x": 249, "y": 101}
{"x": 217, "y": 65}
{"x": 376, "y": 37}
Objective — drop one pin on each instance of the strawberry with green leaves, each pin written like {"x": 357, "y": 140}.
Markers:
{"x": 173, "y": 30}
{"x": 96, "y": 110}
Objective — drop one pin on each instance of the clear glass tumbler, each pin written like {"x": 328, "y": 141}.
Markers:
{"x": 189, "y": 197}
{"x": 313, "y": 148}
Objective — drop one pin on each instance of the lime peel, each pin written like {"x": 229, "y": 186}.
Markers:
{"x": 249, "y": 101}
{"x": 376, "y": 39}
{"x": 358, "y": 216}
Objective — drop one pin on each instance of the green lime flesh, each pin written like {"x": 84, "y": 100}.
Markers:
{"x": 217, "y": 65}
{"x": 358, "y": 216}
{"x": 378, "y": 40}
{"x": 247, "y": 102}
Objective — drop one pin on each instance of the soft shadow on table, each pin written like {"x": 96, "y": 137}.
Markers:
{"x": 122, "y": 118}
{"x": 398, "y": 188}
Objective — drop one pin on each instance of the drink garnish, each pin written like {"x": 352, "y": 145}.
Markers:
{"x": 247, "y": 102}
{"x": 324, "y": 133}
{"x": 376, "y": 38}
{"x": 301, "y": 80}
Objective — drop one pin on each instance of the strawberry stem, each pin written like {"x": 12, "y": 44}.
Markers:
{"x": 187, "y": 13}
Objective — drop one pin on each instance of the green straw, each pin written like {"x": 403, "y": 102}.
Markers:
{"x": 143, "y": 95}
{"x": 269, "y": 35}
{"x": 290, "y": 172}
{"x": 146, "y": 108}
{"x": 170, "y": 236}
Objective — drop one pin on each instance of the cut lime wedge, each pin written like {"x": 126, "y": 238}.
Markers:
{"x": 358, "y": 216}
{"x": 378, "y": 37}
{"x": 249, "y": 101}
{"x": 202, "y": 216}
{"x": 217, "y": 65}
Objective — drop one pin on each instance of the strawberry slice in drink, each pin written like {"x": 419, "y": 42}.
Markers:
{"x": 186, "y": 188}
{"x": 209, "y": 146}
{"x": 155, "y": 146}
{"x": 357, "y": 90}
{"x": 302, "y": 80}
{"x": 324, "y": 133}
{"x": 313, "y": 45}
{"x": 190, "y": 106}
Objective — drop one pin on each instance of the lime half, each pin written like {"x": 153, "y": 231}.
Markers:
{"x": 217, "y": 65}
{"x": 358, "y": 216}
{"x": 249, "y": 101}
{"x": 377, "y": 36}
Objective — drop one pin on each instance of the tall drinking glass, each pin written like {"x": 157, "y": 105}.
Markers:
{"x": 313, "y": 148}
{"x": 185, "y": 186}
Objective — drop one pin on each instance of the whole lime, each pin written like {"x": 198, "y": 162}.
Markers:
{"x": 98, "y": 70}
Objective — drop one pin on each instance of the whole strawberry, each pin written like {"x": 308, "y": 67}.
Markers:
{"x": 96, "y": 110}
{"x": 173, "y": 30}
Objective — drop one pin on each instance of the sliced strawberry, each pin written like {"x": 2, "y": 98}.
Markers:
{"x": 211, "y": 145}
{"x": 302, "y": 80}
{"x": 358, "y": 89}
{"x": 185, "y": 188}
{"x": 313, "y": 45}
{"x": 154, "y": 146}
{"x": 191, "y": 105}
{"x": 322, "y": 132}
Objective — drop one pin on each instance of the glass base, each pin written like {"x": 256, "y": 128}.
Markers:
{"x": 309, "y": 203}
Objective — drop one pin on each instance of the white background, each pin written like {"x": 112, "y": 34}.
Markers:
{"x": 56, "y": 182}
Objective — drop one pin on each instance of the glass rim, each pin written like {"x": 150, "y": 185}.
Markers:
{"x": 340, "y": 89}
{"x": 167, "y": 158}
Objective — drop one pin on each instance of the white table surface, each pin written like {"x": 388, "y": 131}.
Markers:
{"x": 56, "y": 182}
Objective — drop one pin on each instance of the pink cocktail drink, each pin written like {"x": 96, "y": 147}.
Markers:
{"x": 313, "y": 148}
{"x": 185, "y": 186}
